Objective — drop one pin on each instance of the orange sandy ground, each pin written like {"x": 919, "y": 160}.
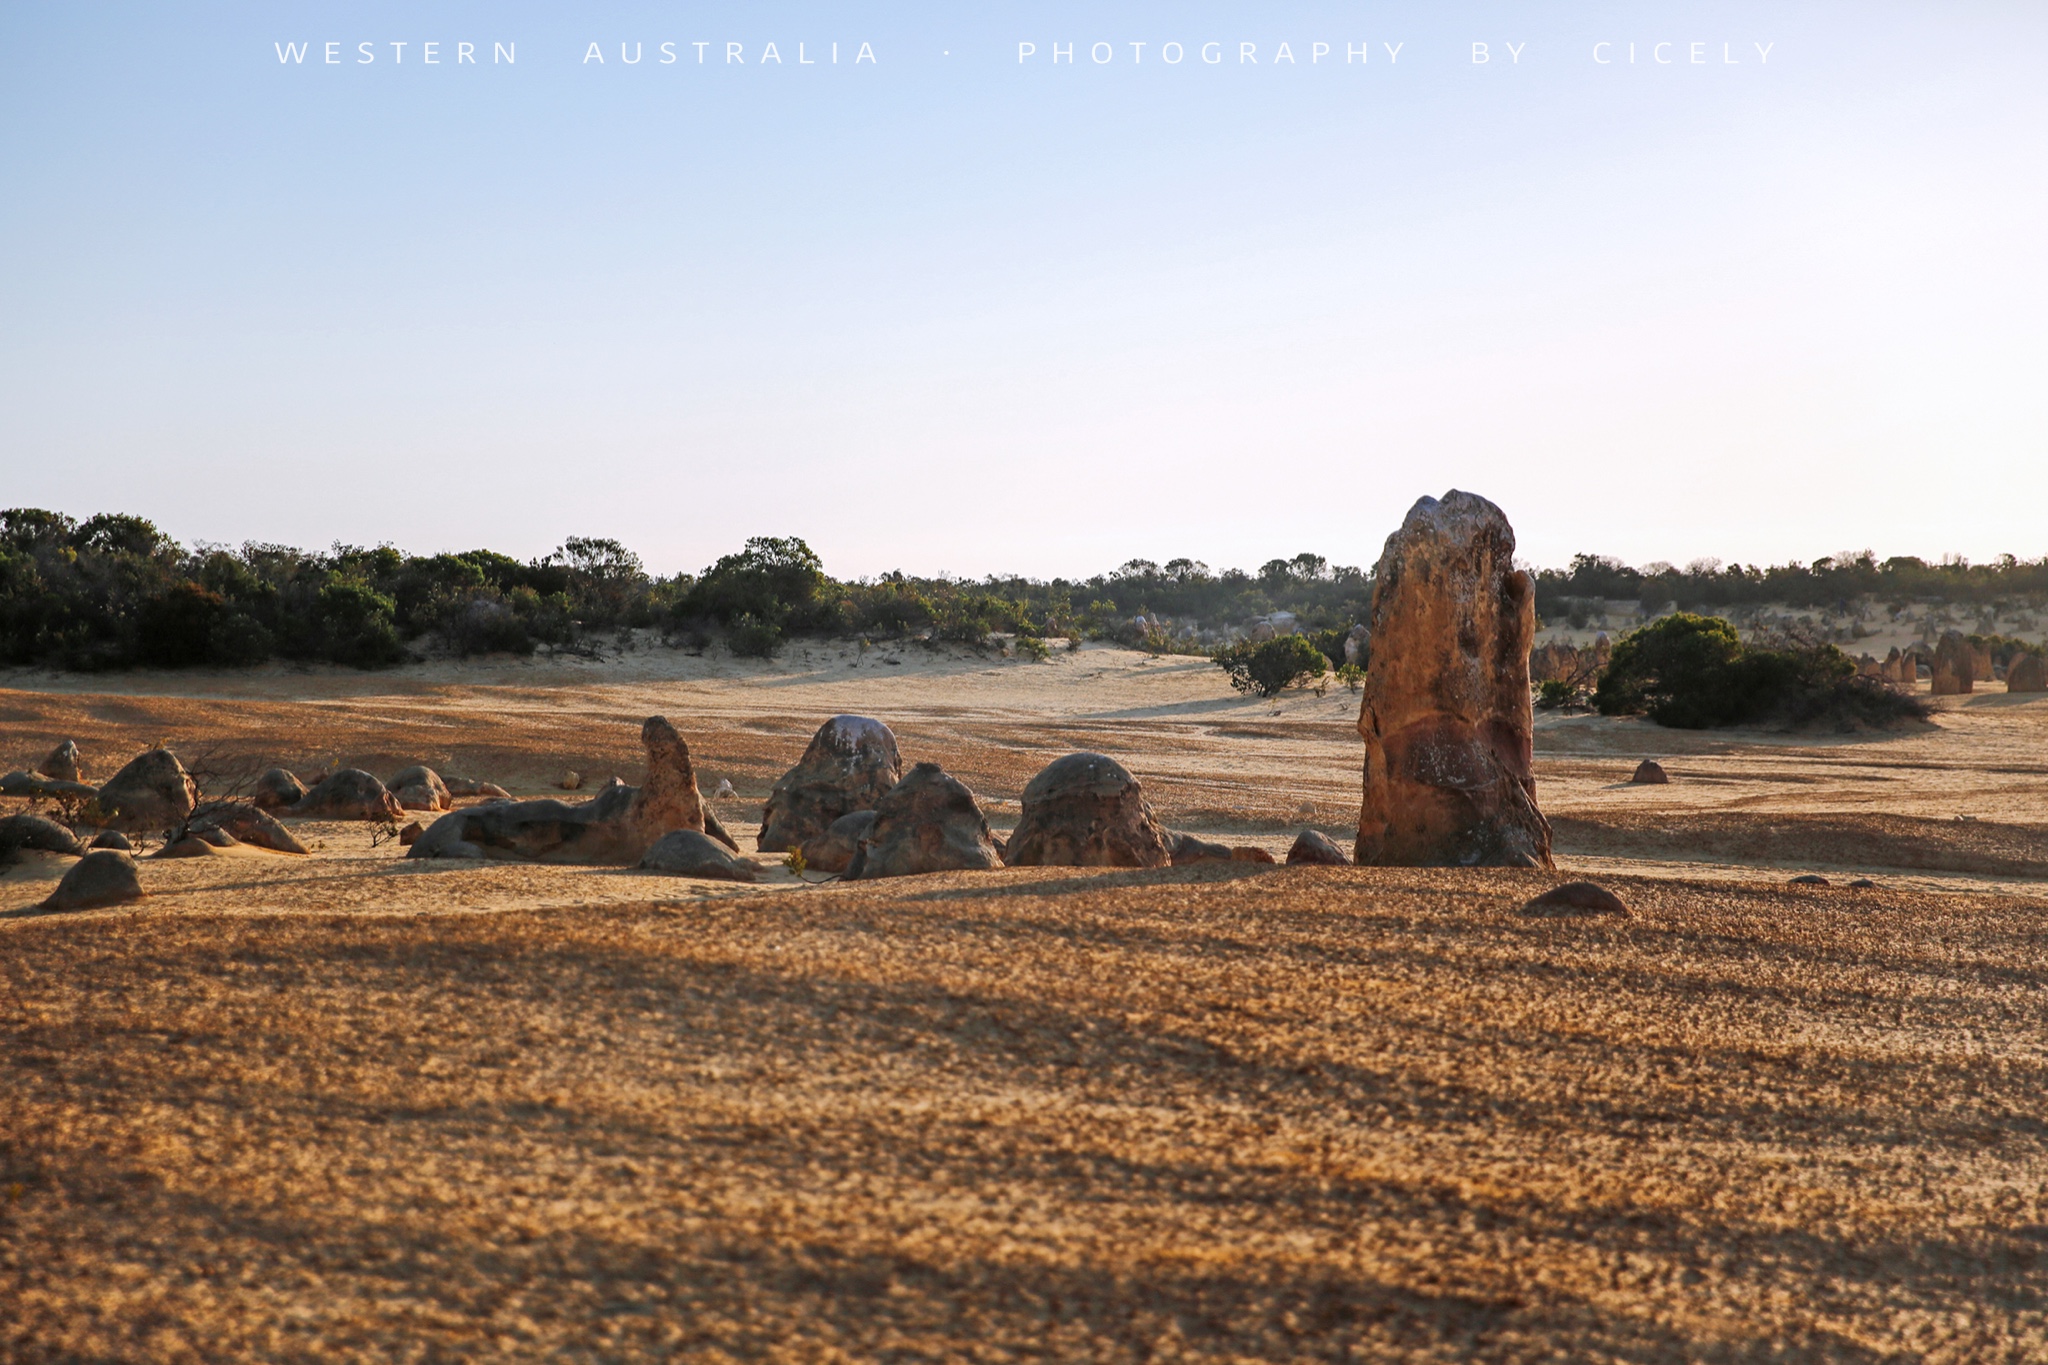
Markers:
{"x": 349, "y": 1107}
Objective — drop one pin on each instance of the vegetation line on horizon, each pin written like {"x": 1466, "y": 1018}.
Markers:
{"x": 113, "y": 591}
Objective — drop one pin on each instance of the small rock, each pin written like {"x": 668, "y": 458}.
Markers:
{"x": 1245, "y": 853}
{"x": 64, "y": 763}
{"x": 104, "y": 876}
{"x": 215, "y": 835}
{"x": 725, "y": 789}
{"x": 1576, "y": 898}
{"x": 1809, "y": 880}
{"x": 1186, "y": 849}
{"x": 687, "y": 853}
{"x": 411, "y": 833}
{"x": 1650, "y": 773}
{"x": 833, "y": 850}
{"x": 1315, "y": 850}
{"x": 191, "y": 846}
{"x": 1863, "y": 884}
{"x": 48, "y": 788}
{"x": 277, "y": 788}
{"x": 421, "y": 788}
{"x": 570, "y": 780}
{"x": 113, "y": 838}
{"x": 248, "y": 825}
{"x": 491, "y": 791}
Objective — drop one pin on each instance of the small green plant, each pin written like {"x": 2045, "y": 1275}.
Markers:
{"x": 1270, "y": 667}
{"x": 795, "y": 862}
{"x": 1556, "y": 693}
{"x": 1351, "y": 675}
{"x": 753, "y": 638}
{"x": 1033, "y": 648}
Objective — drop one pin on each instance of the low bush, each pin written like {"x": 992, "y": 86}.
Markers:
{"x": 1694, "y": 673}
{"x": 1269, "y": 667}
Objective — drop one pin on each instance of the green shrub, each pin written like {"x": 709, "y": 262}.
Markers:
{"x": 1693, "y": 673}
{"x": 353, "y": 624}
{"x": 1031, "y": 647}
{"x": 750, "y": 637}
{"x": 1269, "y": 667}
{"x": 1555, "y": 693}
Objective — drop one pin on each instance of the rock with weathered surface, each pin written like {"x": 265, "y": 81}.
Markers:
{"x": 928, "y": 822}
{"x": 1576, "y": 898}
{"x": 1316, "y": 850}
{"x": 247, "y": 825}
{"x": 1650, "y": 773}
{"x": 421, "y": 788}
{"x": 1954, "y": 672}
{"x": 35, "y": 832}
{"x": 570, "y": 780}
{"x": 1184, "y": 849}
{"x": 350, "y": 794}
{"x": 1981, "y": 667}
{"x": 48, "y": 788}
{"x": 277, "y": 789}
{"x": 833, "y": 850}
{"x": 1358, "y": 645}
{"x": 2029, "y": 673}
{"x": 153, "y": 792}
{"x": 64, "y": 763}
{"x": 1896, "y": 668}
{"x": 615, "y": 827}
{"x": 1446, "y": 717}
{"x": 410, "y": 835}
{"x": 689, "y": 853}
{"x": 1086, "y": 810}
{"x": 112, "y": 838}
{"x": 848, "y": 766}
{"x": 470, "y": 786}
{"x": 190, "y": 846}
{"x": 104, "y": 876}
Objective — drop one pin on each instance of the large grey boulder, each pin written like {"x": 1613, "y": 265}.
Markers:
{"x": 616, "y": 827}
{"x": 104, "y": 876}
{"x": 33, "y": 831}
{"x": 849, "y": 765}
{"x": 688, "y": 853}
{"x": 152, "y": 792}
{"x": 350, "y": 794}
{"x": 1086, "y": 810}
{"x": 928, "y": 822}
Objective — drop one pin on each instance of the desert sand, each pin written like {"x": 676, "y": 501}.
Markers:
{"x": 350, "y": 1107}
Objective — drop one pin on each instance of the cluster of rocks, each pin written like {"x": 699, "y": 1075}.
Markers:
{"x": 154, "y": 792}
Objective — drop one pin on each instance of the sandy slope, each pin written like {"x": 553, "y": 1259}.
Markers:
{"x": 349, "y": 1107}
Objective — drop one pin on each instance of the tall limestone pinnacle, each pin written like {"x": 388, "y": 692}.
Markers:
{"x": 1446, "y": 717}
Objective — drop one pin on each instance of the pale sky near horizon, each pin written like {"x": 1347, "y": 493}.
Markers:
{"x": 953, "y": 310}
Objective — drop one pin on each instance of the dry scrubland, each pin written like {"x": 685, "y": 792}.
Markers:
{"x": 346, "y": 1107}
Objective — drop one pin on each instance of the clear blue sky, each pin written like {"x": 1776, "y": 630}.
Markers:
{"x": 950, "y": 310}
